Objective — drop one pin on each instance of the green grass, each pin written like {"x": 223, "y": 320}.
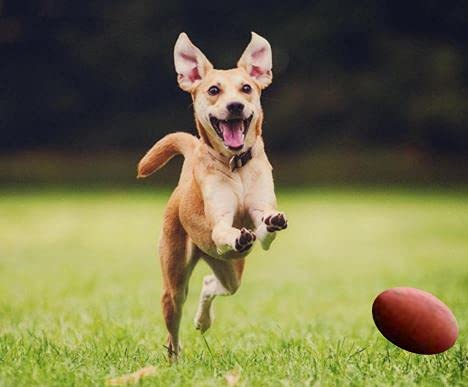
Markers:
{"x": 80, "y": 287}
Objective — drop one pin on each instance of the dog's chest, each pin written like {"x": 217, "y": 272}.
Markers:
{"x": 241, "y": 186}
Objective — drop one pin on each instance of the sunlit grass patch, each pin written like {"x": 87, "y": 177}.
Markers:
{"x": 80, "y": 287}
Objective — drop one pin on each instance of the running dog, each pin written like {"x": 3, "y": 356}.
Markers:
{"x": 225, "y": 198}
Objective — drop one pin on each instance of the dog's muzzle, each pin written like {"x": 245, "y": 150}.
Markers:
{"x": 232, "y": 131}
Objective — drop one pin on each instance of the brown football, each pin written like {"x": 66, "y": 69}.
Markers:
{"x": 415, "y": 320}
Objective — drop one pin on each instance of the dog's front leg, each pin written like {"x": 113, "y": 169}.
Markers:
{"x": 261, "y": 202}
{"x": 228, "y": 238}
{"x": 267, "y": 221}
{"x": 221, "y": 205}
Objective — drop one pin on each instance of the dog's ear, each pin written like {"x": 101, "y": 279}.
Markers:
{"x": 256, "y": 60}
{"x": 190, "y": 63}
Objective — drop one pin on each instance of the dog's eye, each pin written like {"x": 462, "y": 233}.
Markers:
{"x": 246, "y": 89}
{"x": 214, "y": 90}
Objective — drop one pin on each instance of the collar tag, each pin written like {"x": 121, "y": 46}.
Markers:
{"x": 238, "y": 161}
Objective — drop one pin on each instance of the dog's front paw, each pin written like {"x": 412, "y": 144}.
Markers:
{"x": 271, "y": 223}
{"x": 245, "y": 240}
{"x": 276, "y": 222}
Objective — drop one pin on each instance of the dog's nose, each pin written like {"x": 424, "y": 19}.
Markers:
{"x": 235, "y": 107}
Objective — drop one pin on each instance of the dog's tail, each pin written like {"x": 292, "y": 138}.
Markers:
{"x": 164, "y": 150}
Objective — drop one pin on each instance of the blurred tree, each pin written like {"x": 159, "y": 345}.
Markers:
{"x": 94, "y": 75}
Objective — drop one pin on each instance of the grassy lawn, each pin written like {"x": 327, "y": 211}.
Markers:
{"x": 80, "y": 287}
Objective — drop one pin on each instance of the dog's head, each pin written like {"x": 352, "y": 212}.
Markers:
{"x": 226, "y": 102}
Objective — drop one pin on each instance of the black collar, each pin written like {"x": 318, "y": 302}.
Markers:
{"x": 238, "y": 161}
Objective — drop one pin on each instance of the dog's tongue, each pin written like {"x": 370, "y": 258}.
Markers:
{"x": 232, "y": 133}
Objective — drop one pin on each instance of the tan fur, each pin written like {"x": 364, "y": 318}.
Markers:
{"x": 212, "y": 203}
{"x": 164, "y": 150}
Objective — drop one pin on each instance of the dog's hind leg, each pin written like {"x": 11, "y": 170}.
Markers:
{"x": 224, "y": 282}
{"x": 178, "y": 258}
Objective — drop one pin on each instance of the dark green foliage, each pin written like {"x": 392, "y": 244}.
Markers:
{"x": 350, "y": 74}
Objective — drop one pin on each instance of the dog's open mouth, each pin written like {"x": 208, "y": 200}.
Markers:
{"x": 232, "y": 131}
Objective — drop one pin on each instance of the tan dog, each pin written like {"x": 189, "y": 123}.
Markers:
{"x": 226, "y": 187}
